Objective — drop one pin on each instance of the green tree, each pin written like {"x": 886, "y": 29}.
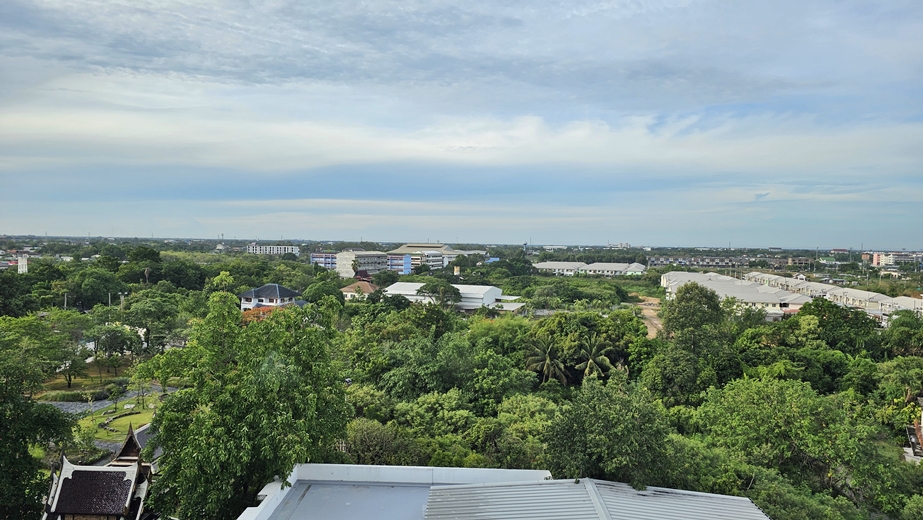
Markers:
{"x": 613, "y": 431}
{"x": 261, "y": 399}
{"x": 442, "y": 292}
{"x": 593, "y": 351}
{"x": 24, "y": 423}
{"x": 543, "y": 358}
{"x": 693, "y": 307}
{"x": 385, "y": 278}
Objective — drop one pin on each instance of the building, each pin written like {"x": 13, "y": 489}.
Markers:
{"x": 358, "y": 291}
{"x": 875, "y": 304}
{"x": 427, "y": 253}
{"x": 773, "y": 300}
{"x": 402, "y": 263}
{"x": 348, "y": 263}
{"x": 560, "y": 268}
{"x": 112, "y": 492}
{"x": 353, "y": 492}
{"x": 714, "y": 262}
{"x": 894, "y": 258}
{"x": 473, "y": 297}
{"x": 257, "y": 249}
{"x": 612, "y": 269}
{"x": 325, "y": 260}
{"x": 269, "y": 295}
{"x": 23, "y": 264}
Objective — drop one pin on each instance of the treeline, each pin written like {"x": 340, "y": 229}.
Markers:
{"x": 806, "y": 416}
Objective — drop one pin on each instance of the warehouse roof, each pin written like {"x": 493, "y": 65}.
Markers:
{"x": 584, "y": 499}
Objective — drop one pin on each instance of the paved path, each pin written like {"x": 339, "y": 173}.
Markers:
{"x": 83, "y": 406}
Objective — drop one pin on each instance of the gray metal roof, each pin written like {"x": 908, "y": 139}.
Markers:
{"x": 587, "y": 499}
{"x": 270, "y": 290}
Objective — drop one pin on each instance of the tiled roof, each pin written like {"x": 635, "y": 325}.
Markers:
{"x": 95, "y": 492}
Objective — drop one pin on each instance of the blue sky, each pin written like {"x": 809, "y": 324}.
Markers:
{"x": 670, "y": 122}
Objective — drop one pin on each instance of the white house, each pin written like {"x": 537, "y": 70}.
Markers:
{"x": 560, "y": 268}
{"x": 269, "y": 295}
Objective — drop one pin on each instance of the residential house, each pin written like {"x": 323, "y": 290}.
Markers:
{"x": 358, "y": 291}
{"x": 269, "y": 295}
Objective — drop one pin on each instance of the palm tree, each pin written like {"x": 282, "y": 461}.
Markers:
{"x": 544, "y": 360}
{"x": 593, "y": 351}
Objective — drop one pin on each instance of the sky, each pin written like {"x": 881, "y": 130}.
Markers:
{"x": 663, "y": 122}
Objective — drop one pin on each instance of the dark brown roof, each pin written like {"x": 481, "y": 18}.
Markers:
{"x": 94, "y": 493}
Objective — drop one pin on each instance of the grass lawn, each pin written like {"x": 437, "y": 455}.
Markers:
{"x": 121, "y": 424}
{"x": 89, "y": 382}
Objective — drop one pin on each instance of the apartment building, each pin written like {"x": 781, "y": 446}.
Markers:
{"x": 257, "y": 249}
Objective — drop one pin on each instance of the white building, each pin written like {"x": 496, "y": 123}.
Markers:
{"x": 473, "y": 297}
{"x": 560, "y": 268}
{"x": 876, "y": 304}
{"x": 348, "y": 263}
{"x": 773, "y": 300}
{"x": 23, "y": 264}
{"x": 257, "y": 249}
{"x": 354, "y": 492}
{"x": 269, "y": 295}
{"x": 612, "y": 269}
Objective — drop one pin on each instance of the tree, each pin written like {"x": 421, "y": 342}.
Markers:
{"x": 94, "y": 286}
{"x": 593, "y": 351}
{"x": 441, "y": 292}
{"x": 385, "y": 278}
{"x": 156, "y": 314}
{"x": 24, "y": 423}
{"x": 261, "y": 399}
{"x": 612, "y": 431}
{"x": 544, "y": 360}
{"x": 693, "y": 307}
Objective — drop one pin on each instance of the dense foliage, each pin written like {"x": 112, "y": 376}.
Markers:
{"x": 805, "y": 416}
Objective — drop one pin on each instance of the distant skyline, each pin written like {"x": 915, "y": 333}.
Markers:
{"x": 669, "y": 122}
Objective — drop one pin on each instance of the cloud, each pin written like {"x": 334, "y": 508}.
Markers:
{"x": 582, "y": 114}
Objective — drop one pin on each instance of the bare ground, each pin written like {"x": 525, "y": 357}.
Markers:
{"x": 649, "y": 309}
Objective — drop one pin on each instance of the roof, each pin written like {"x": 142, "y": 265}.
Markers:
{"x": 92, "y": 490}
{"x": 363, "y": 287}
{"x": 559, "y": 265}
{"x": 416, "y": 248}
{"x": 584, "y": 499}
{"x": 353, "y": 492}
{"x": 270, "y": 290}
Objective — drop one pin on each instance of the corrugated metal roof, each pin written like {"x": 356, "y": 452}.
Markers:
{"x": 626, "y": 503}
{"x": 553, "y": 499}
{"x": 588, "y": 499}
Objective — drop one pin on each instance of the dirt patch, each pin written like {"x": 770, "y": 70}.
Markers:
{"x": 649, "y": 309}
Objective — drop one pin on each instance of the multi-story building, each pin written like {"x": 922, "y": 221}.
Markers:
{"x": 257, "y": 249}
{"x": 325, "y": 260}
{"x": 403, "y": 263}
{"x": 348, "y": 263}
{"x": 894, "y": 258}
{"x": 696, "y": 261}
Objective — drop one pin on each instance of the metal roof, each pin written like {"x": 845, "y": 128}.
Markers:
{"x": 585, "y": 499}
{"x": 270, "y": 290}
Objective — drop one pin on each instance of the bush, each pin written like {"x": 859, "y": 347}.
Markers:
{"x": 74, "y": 397}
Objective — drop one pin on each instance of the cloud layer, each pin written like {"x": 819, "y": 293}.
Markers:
{"x": 659, "y": 122}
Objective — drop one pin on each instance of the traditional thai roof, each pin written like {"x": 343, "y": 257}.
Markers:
{"x": 107, "y": 491}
